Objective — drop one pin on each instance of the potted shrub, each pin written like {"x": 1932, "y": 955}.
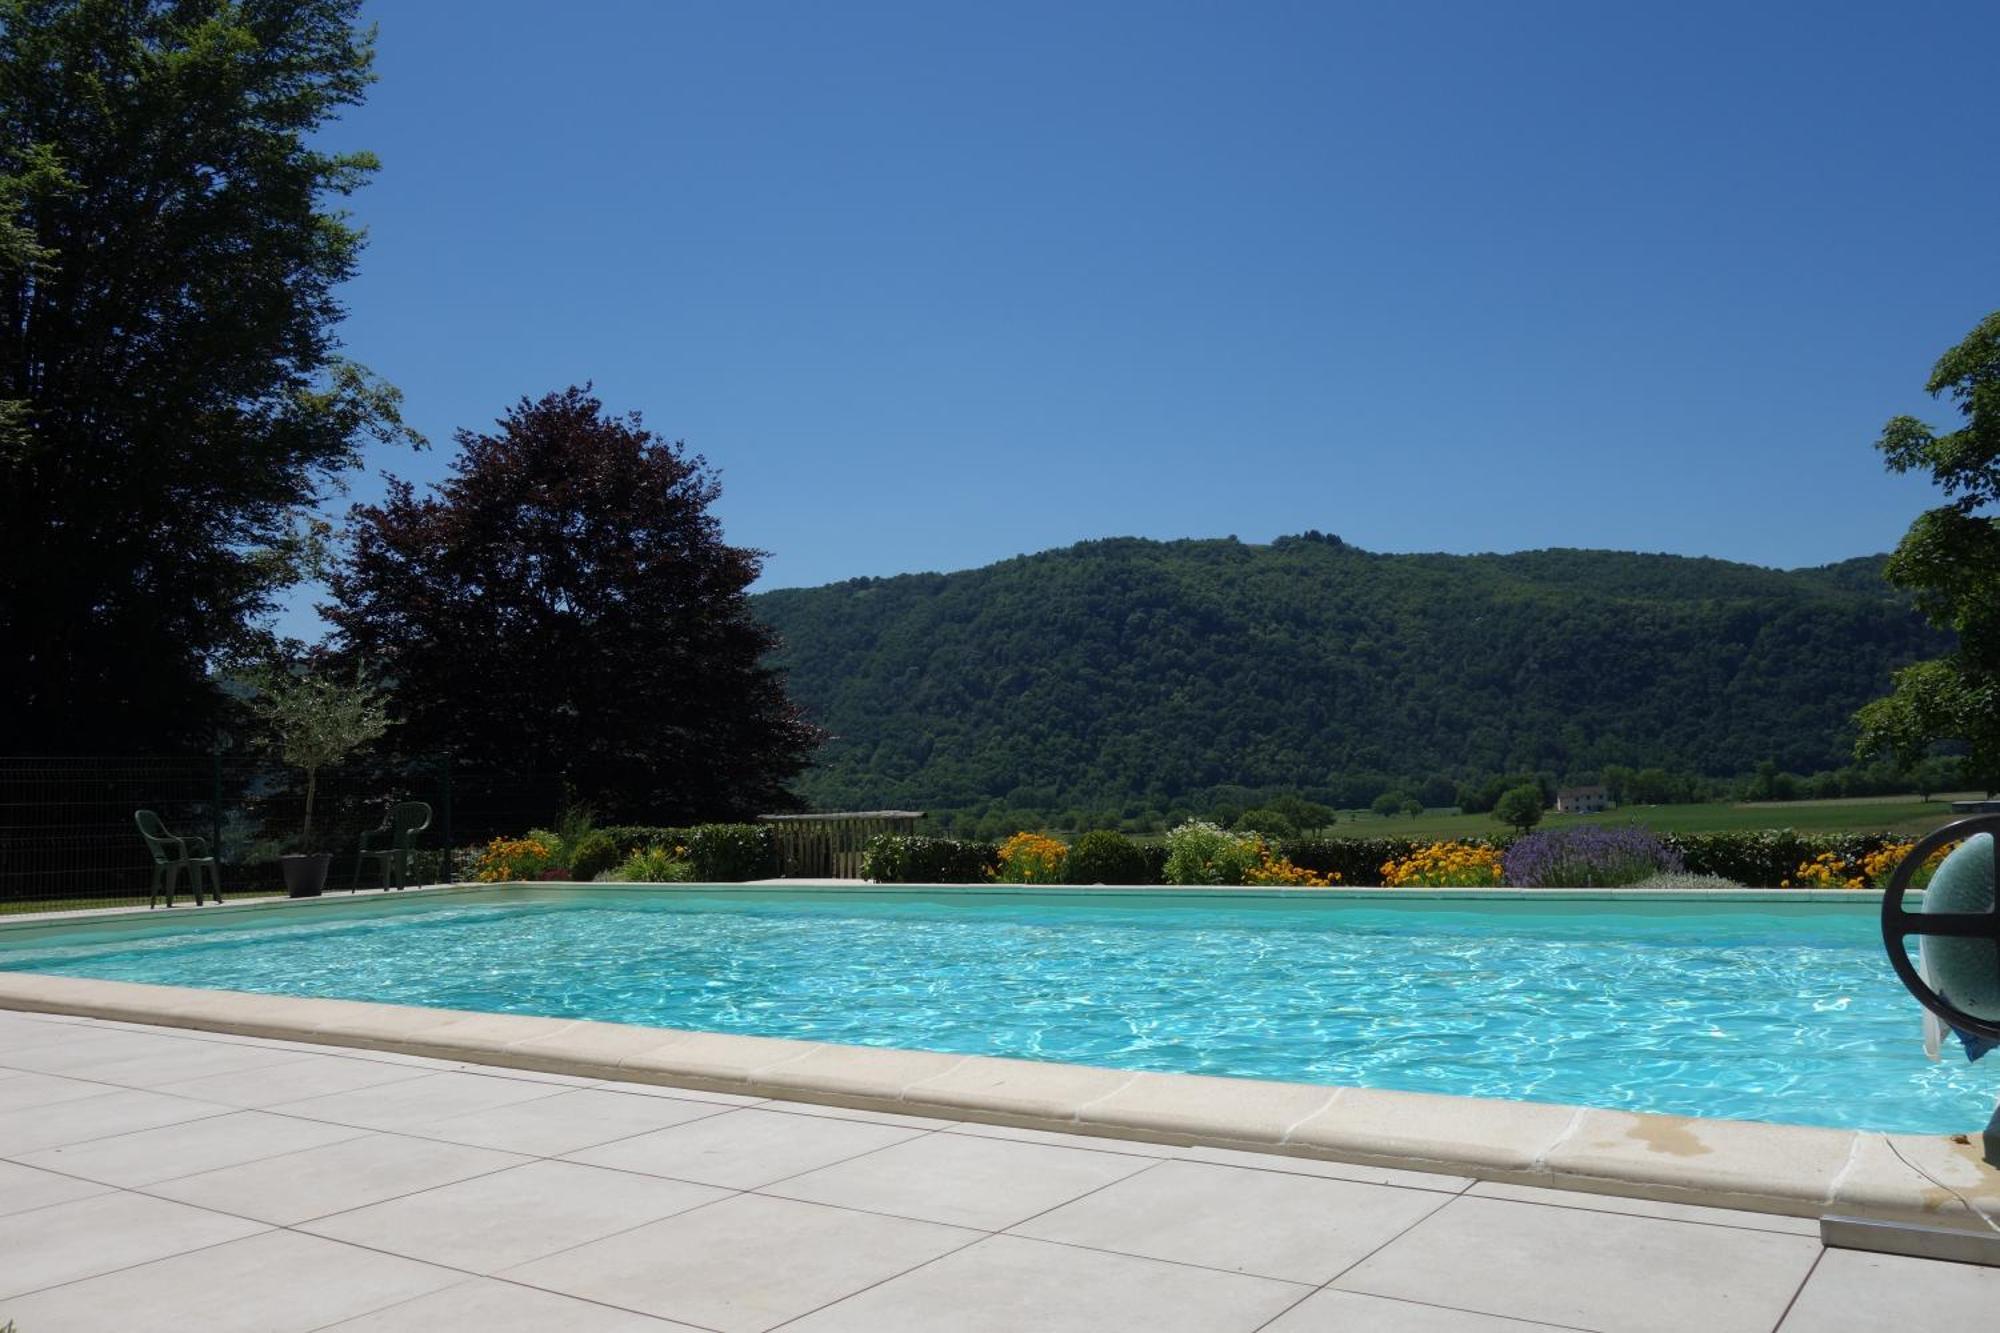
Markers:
{"x": 316, "y": 721}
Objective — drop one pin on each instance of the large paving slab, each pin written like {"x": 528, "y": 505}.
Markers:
{"x": 565, "y": 1122}
{"x": 282, "y": 1185}
{"x": 1008, "y": 1284}
{"x": 491, "y": 1306}
{"x": 146, "y": 1156}
{"x": 277, "y": 1282}
{"x": 744, "y": 1265}
{"x": 495, "y": 1221}
{"x": 1852, "y": 1292}
{"x": 24, "y": 1187}
{"x": 337, "y": 1178}
{"x": 747, "y": 1148}
{"x": 45, "y": 1247}
{"x": 1594, "y": 1270}
{"x": 963, "y": 1180}
{"x": 1266, "y": 1223}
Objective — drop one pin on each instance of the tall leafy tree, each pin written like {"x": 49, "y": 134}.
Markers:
{"x": 171, "y": 393}
{"x": 1950, "y": 561}
{"x": 565, "y": 603}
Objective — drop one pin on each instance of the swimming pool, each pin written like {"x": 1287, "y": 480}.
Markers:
{"x": 1770, "y": 1011}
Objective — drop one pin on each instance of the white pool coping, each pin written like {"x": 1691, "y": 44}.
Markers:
{"x": 1937, "y": 1180}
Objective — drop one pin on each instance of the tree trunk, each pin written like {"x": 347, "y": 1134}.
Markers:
{"x": 305, "y": 835}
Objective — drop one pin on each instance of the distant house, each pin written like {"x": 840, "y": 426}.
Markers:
{"x": 1581, "y": 800}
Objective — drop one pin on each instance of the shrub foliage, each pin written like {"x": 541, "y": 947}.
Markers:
{"x": 1587, "y": 857}
{"x": 731, "y": 853}
{"x": 1033, "y": 858}
{"x": 897, "y": 858}
{"x": 1104, "y": 857}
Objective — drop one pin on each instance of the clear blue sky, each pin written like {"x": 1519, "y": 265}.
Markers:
{"x": 937, "y": 284}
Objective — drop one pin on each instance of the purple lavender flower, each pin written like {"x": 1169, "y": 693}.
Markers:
{"x": 1590, "y": 857}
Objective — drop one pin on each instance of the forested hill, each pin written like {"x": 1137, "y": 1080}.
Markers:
{"x": 1127, "y": 673}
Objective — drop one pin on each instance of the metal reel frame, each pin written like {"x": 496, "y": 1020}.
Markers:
{"x": 1898, "y": 924}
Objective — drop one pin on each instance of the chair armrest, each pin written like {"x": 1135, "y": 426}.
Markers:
{"x": 193, "y": 846}
{"x": 368, "y": 836}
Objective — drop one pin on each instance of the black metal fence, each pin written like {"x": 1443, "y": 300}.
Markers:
{"x": 67, "y": 837}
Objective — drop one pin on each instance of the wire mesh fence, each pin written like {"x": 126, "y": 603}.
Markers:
{"x": 67, "y": 836}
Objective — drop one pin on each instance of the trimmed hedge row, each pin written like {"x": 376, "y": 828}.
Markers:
{"x": 896, "y": 858}
{"x": 1104, "y": 857}
{"x": 1767, "y": 858}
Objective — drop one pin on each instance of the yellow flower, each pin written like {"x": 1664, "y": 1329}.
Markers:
{"x": 1032, "y": 858}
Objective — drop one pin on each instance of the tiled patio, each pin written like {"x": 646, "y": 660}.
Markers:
{"x": 154, "y": 1177}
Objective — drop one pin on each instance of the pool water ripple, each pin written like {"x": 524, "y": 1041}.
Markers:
{"x": 1787, "y": 1015}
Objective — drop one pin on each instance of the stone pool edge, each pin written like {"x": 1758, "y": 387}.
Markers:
{"x": 1750, "y": 1165}
{"x": 13, "y": 921}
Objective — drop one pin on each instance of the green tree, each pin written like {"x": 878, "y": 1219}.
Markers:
{"x": 1306, "y": 816}
{"x": 315, "y": 721}
{"x": 1520, "y": 806}
{"x": 1269, "y": 822}
{"x": 565, "y": 603}
{"x": 171, "y": 395}
{"x": 1950, "y": 561}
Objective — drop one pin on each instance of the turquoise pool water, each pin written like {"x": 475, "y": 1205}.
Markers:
{"x": 1785, "y": 1012}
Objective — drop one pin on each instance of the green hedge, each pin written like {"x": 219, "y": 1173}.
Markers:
{"x": 725, "y": 853}
{"x": 731, "y": 853}
{"x": 720, "y": 853}
{"x": 1766, "y": 858}
{"x": 896, "y": 858}
{"x": 1104, "y": 857}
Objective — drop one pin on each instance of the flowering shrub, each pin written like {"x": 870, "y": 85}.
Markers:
{"x": 656, "y": 865}
{"x": 1866, "y": 870}
{"x": 1586, "y": 857}
{"x": 513, "y": 858}
{"x": 1879, "y": 866}
{"x": 1681, "y": 881}
{"x": 1828, "y": 870}
{"x": 1273, "y": 871}
{"x": 1460, "y": 865}
{"x": 1200, "y": 853}
{"x": 1347, "y": 860}
{"x": 1032, "y": 858}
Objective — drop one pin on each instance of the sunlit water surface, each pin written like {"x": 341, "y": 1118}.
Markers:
{"x": 1787, "y": 1014}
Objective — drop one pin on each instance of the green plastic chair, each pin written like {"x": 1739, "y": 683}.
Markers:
{"x": 392, "y": 843}
{"x": 172, "y": 855}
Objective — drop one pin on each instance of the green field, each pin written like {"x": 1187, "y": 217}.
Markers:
{"x": 1910, "y": 815}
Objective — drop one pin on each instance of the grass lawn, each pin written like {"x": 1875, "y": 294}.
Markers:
{"x": 1868, "y": 814}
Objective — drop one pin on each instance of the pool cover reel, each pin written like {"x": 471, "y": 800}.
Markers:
{"x": 1964, "y": 961}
